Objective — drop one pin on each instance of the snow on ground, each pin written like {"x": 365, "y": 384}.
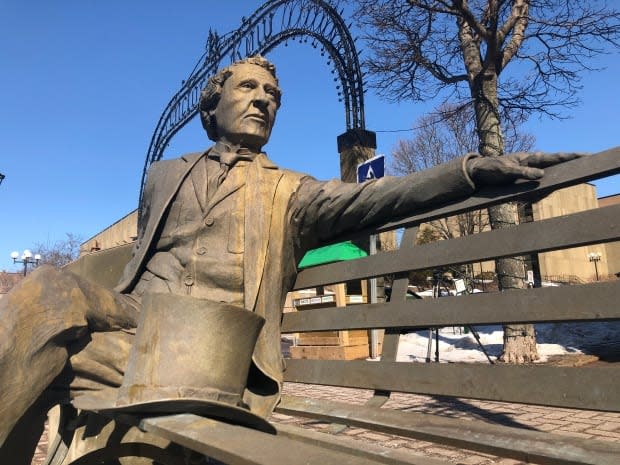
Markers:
{"x": 457, "y": 345}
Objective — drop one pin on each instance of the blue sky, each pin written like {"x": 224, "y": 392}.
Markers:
{"x": 83, "y": 83}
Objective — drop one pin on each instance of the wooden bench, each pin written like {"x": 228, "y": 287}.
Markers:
{"x": 591, "y": 388}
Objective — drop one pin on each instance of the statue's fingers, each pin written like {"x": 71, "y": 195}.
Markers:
{"x": 543, "y": 160}
{"x": 567, "y": 156}
{"x": 528, "y": 172}
{"x": 511, "y": 172}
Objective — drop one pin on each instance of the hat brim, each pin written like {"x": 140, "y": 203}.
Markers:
{"x": 105, "y": 403}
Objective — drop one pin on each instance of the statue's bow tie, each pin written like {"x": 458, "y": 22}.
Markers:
{"x": 228, "y": 159}
{"x": 231, "y": 158}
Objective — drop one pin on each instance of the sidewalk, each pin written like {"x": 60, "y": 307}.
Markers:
{"x": 570, "y": 422}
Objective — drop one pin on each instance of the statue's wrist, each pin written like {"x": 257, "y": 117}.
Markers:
{"x": 469, "y": 168}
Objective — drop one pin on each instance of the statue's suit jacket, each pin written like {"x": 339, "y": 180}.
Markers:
{"x": 287, "y": 213}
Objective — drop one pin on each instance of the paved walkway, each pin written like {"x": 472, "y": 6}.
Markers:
{"x": 576, "y": 423}
{"x": 570, "y": 422}
{"x": 41, "y": 452}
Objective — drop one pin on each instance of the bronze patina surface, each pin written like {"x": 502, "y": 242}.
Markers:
{"x": 226, "y": 225}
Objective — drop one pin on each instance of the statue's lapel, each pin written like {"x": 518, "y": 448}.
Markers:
{"x": 199, "y": 181}
{"x": 233, "y": 182}
{"x": 167, "y": 187}
{"x": 262, "y": 181}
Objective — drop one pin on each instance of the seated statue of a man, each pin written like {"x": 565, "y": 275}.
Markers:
{"x": 225, "y": 227}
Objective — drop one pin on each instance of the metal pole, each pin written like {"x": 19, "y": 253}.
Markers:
{"x": 596, "y": 268}
{"x": 374, "y": 333}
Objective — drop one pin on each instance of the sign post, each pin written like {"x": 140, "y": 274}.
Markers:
{"x": 373, "y": 168}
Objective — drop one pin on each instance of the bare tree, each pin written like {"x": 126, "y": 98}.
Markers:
{"x": 422, "y": 49}
{"x": 60, "y": 252}
{"x": 460, "y": 50}
{"x": 439, "y": 137}
{"x": 8, "y": 280}
{"x": 447, "y": 133}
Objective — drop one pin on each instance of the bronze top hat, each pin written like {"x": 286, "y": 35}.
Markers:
{"x": 189, "y": 356}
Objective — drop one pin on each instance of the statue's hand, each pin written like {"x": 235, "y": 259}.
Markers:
{"x": 487, "y": 171}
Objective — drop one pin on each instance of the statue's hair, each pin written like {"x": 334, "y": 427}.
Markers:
{"x": 210, "y": 95}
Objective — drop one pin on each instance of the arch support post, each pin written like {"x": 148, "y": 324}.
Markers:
{"x": 355, "y": 146}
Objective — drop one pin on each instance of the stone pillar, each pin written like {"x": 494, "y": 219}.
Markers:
{"x": 355, "y": 146}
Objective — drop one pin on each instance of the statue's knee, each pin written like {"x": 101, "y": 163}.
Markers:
{"x": 47, "y": 296}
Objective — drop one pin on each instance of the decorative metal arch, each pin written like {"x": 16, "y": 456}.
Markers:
{"x": 271, "y": 24}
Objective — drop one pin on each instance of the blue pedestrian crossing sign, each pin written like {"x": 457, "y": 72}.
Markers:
{"x": 371, "y": 169}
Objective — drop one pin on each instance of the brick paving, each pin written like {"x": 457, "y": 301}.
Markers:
{"x": 575, "y": 423}
{"x": 569, "y": 422}
{"x": 41, "y": 452}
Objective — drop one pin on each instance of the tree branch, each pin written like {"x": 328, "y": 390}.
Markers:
{"x": 517, "y": 23}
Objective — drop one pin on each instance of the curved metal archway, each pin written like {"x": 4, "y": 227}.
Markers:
{"x": 271, "y": 24}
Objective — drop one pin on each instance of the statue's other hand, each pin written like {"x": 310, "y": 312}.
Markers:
{"x": 486, "y": 171}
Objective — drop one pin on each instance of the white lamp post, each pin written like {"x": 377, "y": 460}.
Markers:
{"x": 595, "y": 257}
{"x": 26, "y": 258}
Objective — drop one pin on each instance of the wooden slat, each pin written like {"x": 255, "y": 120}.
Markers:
{"x": 539, "y": 236}
{"x": 594, "y": 388}
{"x": 104, "y": 267}
{"x": 236, "y": 445}
{"x": 587, "y": 302}
{"x": 516, "y": 443}
{"x": 352, "y": 446}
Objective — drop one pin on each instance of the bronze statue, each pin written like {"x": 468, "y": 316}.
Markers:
{"x": 225, "y": 226}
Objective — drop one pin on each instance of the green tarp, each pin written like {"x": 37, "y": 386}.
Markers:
{"x": 331, "y": 253}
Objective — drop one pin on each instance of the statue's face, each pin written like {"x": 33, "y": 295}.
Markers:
{"x": 247, "y": 108}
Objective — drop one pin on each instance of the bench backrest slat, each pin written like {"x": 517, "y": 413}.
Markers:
{"x": 593, "y": 388}
{"x": 578, "y": 229}
{"x": 586, "y": 302}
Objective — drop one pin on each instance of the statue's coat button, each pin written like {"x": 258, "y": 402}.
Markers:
{"x": 209, "y": 220}
{"x": 201, "y": 250}
{"x": 189, "y": 280}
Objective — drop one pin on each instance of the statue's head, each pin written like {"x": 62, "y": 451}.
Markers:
{"x": 240, "y": 102}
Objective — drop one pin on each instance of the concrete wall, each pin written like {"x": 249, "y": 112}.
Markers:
{"x": 612, "y": 249}
{"x": 122, "y": 232}
{"x": 571, "y": 262}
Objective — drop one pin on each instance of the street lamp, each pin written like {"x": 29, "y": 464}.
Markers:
{"x": 27, "y": 259}
{"x": 595, "y": 257}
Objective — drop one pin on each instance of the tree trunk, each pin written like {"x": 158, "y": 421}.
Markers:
{"x": 519, "y": 340}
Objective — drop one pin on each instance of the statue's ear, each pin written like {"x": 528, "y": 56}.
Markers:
{"x": 209, "y": 123}
{"x": 206, "y": 118}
